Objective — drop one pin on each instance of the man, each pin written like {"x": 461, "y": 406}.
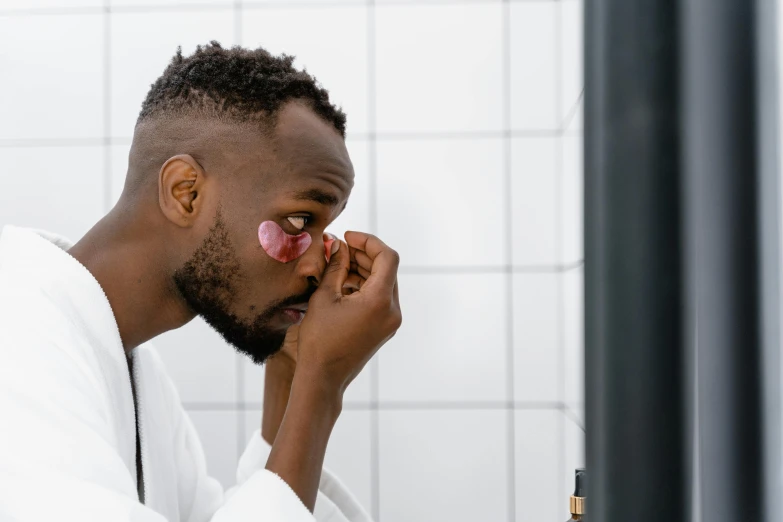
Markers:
{"x": 238, "y": 165}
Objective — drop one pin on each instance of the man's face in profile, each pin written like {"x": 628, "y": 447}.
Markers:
{"x": 248, "y": 297}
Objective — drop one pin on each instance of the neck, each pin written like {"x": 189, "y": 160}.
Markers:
{"x": 130, "y": 265}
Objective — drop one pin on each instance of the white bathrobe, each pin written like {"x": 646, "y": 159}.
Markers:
{"x": 67, "y": 419}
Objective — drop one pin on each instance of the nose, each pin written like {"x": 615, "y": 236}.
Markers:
{"x": 312, "y": 264}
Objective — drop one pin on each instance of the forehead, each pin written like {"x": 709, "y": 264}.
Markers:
{"x": 310, "y": 151}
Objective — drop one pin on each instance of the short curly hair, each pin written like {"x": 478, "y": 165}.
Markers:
{"x": 238, "y": 84}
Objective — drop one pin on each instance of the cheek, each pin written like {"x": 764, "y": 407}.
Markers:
{"x": 281, "y": 246}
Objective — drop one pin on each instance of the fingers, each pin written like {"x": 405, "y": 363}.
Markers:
{"x": 385, "y": 261}
{"x": 337, "y": 271}
{"x": 361, "y": 262}
{"x": 365, "y": 242}
{"x": 353, "y": 283}
{"x": 359, "y": 270}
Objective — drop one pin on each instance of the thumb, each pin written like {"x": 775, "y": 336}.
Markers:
{"x": 337, "y": 271}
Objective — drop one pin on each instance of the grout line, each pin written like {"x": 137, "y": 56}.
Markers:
{"x": 106, "y": 142}
{"x": 372, "y": 146}
{"x": 558, "y": 45}
{"x": 171, "y": 8}
{"x": 508, "y": 256}
{"x": 375, "y": 460}
{"x": 573, "y": 417}
{"x": 572, "y": 113}
{"x": 376, "y": 406}
{"x": 559, "y": 287}
{"x": 561, "y": 454}
{"x": 560, "y": 306}
{"x": 240, "y": 398}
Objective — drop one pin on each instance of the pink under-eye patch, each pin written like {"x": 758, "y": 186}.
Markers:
{"x": 281, "y": 246}
{"x": 328, "y": 240}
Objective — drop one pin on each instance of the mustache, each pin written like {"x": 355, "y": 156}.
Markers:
{"x": 294, "y": 299}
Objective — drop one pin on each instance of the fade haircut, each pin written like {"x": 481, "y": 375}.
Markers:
{"x": 235, "y": 84}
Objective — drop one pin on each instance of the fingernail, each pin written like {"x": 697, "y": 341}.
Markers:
{"x": 335, "y": 247}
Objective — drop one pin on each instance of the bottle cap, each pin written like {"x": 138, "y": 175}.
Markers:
{"x": 577, "y": 503}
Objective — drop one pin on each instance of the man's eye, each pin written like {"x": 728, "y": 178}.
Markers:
{"x": 299, "y": 221}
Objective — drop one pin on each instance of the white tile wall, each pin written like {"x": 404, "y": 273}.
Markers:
{"x": 534, "y": 190}
{"x": 52, "y": 87}
{"x": 444, "y": 465}
{"x": 439, "y": 68}
{"x": 537, "y": 450}
{"x": 536, "y": 342}
{"x": 59, "y": 189}
{"x": 572, "y": 194}
{"x": 217, "y": 431}
{"x": 573, "y": 339}
{"x": 330, "y": 42}
{"x": 575, "y": 125}
{"x": 358, "y": 392}
{"x": 19, "y": 5}
{"x": 479, "y": 217}
{"x": 449, "y": 348}
{"x": 252, "y": 381}
{"x": 348, "y": 455}
{"x": 202, "y": 365}
{"x": 142, "y": 45}
{"x": 119, "y": 168}
{"x": 357, "y": 215}
{"x": 440, "y": 201}
{"x": 571, "y": 53}
{"x": 533, "y": 63}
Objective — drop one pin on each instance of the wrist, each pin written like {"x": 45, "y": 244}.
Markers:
{"x": 279, "y": 375}
{"x": 281, "y": 366}
{"x": 313, "y": 388}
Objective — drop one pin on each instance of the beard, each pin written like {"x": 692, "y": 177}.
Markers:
{"x": 208, "y": 282}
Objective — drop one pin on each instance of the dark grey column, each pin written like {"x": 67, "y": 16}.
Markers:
{"x": 767, "y": 111}
{"x": 633, "y": 285}
{"x": 732, "y": 262}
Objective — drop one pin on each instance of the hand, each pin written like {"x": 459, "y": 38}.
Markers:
{"x": 353, "y": 313}
{"x": 286, "y": 356}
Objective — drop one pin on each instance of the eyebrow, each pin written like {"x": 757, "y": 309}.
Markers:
{"x": 317, "y": 195}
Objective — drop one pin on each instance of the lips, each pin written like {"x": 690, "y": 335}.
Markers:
{"x": 294, "y": 315}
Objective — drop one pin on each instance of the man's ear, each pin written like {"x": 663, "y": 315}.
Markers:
{"x": 179, "y": 182}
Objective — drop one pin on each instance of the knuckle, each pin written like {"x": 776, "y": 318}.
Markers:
{"x": 394, "y": 256}
{"x": 395, "y": 320}
{"x": 333, "y": 267}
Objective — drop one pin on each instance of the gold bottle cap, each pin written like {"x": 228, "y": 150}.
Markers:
{"x": 577, "y": 505}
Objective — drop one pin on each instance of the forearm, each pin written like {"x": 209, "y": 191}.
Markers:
{"x": 300, "y": 445}
{"x": 279, "y": 374}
